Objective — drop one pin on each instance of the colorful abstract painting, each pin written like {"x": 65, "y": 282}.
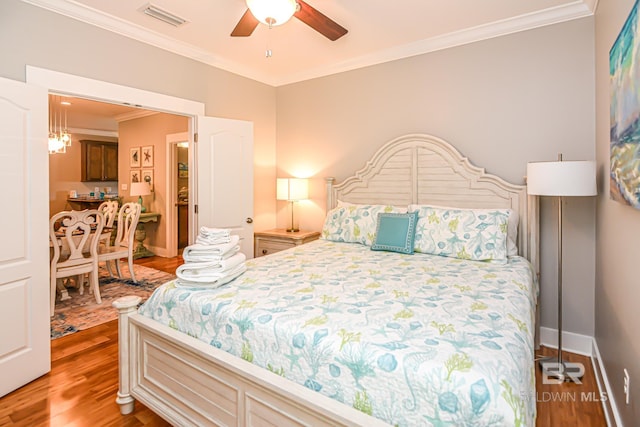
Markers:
{"x": 624, "y": 73}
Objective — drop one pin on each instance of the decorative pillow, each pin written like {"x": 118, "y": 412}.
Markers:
{"x": 478, "y": 235}
{"x": 512, "y": 229}
{"x": 395, "y": 232}
{"x": 354, "y": 223}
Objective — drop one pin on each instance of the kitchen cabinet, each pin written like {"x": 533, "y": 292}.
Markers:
{"x": 99, "y": 161}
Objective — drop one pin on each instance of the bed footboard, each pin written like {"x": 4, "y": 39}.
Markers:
{"x": 188, "y": 382}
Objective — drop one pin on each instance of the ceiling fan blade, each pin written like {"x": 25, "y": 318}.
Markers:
{"x": 319, "y": 22}
{"x": 245, "y": 26}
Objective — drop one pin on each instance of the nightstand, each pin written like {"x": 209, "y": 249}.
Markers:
{"x": 279, "y": 239}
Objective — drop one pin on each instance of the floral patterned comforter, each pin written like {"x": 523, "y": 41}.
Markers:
{"x": 411, "y": 339}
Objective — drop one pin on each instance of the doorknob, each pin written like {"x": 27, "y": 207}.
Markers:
{"x": 249, "y": 220}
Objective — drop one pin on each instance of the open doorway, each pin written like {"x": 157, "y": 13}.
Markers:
{"x": 227, "y": 141}
{"x": 82, "y": 176}
{"x": 96, "y": 128}
{"x": 110, "y": 93}
{"x": 182, "y": 168}
{"x": 178, "y": 191}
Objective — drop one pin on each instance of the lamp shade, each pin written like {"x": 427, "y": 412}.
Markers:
{"x": 140, "y": 189}
{"x": 292, "y": 189}
{"x": 272, "y": 12}
{"x": 562, "y": 178}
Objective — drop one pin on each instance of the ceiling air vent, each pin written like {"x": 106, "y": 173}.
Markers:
{"x": 163, "y": 15}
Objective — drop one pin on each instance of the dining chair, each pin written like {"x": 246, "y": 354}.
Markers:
{"x": 128, "y": 217}
{"x": 78, "y": 232}
{"x": 109, "y": 209}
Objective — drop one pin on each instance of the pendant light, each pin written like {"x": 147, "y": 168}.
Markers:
{"x": 59, "y": 137}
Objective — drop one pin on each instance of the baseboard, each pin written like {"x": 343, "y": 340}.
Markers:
{"x": 575, "y": 343}
{"x": 609, "y": 405}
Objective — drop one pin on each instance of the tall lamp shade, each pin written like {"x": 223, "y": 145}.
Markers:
{"x": 292, "y": 190}
{"x": 561, "y": 179}
{"x": 568, "y": 178}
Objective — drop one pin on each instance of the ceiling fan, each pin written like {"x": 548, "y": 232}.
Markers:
{"x": 273, "y": 13}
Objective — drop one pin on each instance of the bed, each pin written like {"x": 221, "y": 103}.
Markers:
{"x": 334, "y": 333}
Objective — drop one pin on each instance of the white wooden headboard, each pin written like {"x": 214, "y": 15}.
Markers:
{"x": 424, "y": 169}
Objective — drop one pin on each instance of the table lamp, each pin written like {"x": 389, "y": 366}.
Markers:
{"x": 292, "y": 190}
{"x": 561, "y": 179}
{"x": 140, "y": 189}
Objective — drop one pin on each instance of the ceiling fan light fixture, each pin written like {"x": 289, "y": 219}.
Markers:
{"x": 272, "y": 12}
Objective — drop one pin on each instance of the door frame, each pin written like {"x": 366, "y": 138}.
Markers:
{"x": 98, "y": 90}
{"x": 172, "y": 194}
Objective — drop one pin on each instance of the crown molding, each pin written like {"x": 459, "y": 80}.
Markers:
{"x": 592, "y": 5}
{"x": 138, "y": 114}
{"x": 575, "y": 10}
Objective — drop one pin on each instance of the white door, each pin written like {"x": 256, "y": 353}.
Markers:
{"x": 24, "y": 252}
{"x": 224, "y": 177}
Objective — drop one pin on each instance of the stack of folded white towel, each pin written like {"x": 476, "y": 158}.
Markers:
{"x": 215, "y": 259}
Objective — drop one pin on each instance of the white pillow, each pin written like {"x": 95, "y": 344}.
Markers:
{"x": 512, "y": 225}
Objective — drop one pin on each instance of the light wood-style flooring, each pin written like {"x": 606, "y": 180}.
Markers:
{"x": 569, "y": 404}
{"x": 81, "y": 388}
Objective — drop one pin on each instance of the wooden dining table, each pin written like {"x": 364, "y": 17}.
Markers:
{"x": 105, "y": 235}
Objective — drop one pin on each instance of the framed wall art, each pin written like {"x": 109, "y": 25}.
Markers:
{"x": 134, "y": 157}
{"x": 135, "y": 175}
{"x": 147, "y": 176}
{"x": 147, "y": 156}
{"x": 624, "y": 173}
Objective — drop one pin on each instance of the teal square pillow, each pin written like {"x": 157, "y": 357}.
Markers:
{"x": 395, "y": 232}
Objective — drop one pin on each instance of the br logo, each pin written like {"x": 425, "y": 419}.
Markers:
{"x": 557, "y": 373}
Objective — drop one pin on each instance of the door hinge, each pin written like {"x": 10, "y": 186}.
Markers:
{"x": 195, "y": 137}
{"x": 195, "y": 208}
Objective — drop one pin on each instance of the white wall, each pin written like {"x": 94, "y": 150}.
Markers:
{"x": 617, "y": 289}
{"x": 501, "y": 102}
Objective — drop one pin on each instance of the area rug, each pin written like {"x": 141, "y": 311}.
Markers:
{"x": 81, "y": 311}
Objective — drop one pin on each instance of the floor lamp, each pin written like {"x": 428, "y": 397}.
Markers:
{"x": 560, "y": 179}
